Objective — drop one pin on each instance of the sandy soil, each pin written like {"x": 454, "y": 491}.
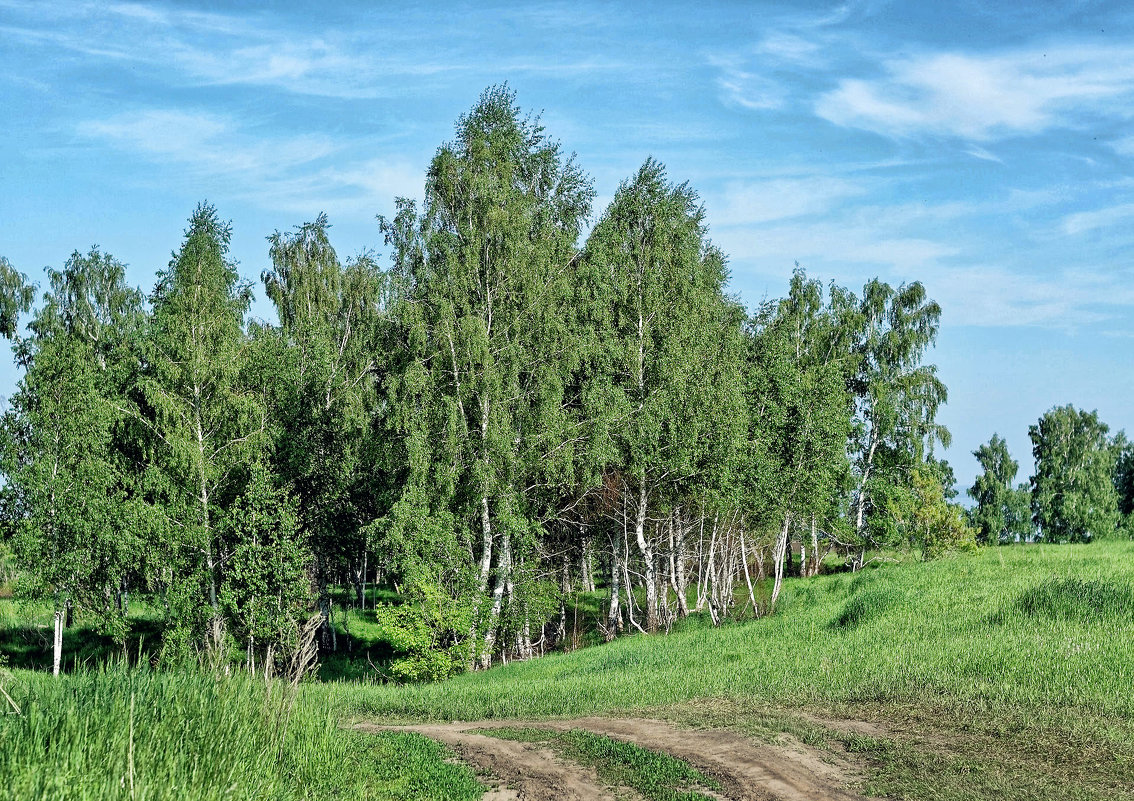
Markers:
{"x": 747, "y": 770}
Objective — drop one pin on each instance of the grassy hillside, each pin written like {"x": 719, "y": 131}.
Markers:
{"x": 1012, "y": 628}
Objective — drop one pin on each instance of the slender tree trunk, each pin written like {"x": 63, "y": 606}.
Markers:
{"x": 681, "y": 578}
{"x": 564, "y": 591}
{"x": 486, "y": 546}
{"x": 57, "y": 643}
{"x": 587, "y": 569}
{"x": 647, "y": 549}
{"x": 816, "y": 559}
{"x": 503, "y": 581}
{"x": 482, "y": 575}
{"x": 626, "y": 582}
{"x": 860, "y": 510}
{"x": 702, "y": 586}
{"x": 747, "y": 576}
{"x": 614, "y": 611}
{"x": 365, "y": 554}
{"x": 778, "y": 558}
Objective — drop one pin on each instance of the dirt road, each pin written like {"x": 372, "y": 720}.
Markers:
{"x": 747, "y": 770}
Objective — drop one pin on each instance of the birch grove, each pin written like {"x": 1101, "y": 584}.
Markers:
{"x": 526, "y": 419}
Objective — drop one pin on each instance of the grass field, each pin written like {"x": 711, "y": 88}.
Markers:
{"x": 1008, "y": 674}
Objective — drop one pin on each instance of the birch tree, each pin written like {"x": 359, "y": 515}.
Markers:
{"x": 71, "y": 487}
{"x": 16, "y": 298}
{"x": 487, "y": 266}
{"x": 1073, "y": 493}
{"x": 207, "y": 427}
{"x": 799, "y": 413}
{"x": 332, "y": 318}
{"x": 992, "y": 490}
{"x": 897, "y": 399}
{"x": 671, "y": 345}
{"x": 65, "y": 497}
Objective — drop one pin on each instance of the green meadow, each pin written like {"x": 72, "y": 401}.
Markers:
{"x": 1006, "y": 674}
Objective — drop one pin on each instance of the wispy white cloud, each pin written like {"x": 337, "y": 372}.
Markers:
{"x": 1084, "y": 221}
{"x": 789, "y": 47}
{"x": 986, "y": 96}
{"x": 971, "y": 292}
{"x": 995, "y": 296}
{"x": 297, "y": 173}
{"x": 1124, "y": 146}
{"x": 254, "y": 49}
{"x": 852, "y": 234}
{"x": 210, "y": 143}
{"x": 747, "y": 87}
{"x": 756, "y": 202}
{"x": 984, "y": 155}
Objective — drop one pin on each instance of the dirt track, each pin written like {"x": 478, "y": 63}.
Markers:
{"x": 747, "y": 770}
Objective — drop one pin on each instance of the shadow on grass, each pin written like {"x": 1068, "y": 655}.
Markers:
{"x": 28, "y": 647}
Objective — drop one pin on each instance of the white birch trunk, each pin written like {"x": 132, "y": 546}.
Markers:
{"x": 57, "y": 643}
{"x": 646, "y": 546}
{"x": 778, "y": 558}
{"x": 747, "y": 575}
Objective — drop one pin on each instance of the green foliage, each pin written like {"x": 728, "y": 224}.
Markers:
{"x": 90, "y": 301}
{"x": 426, "y": 646}
{"x": 992, "y": 490}
{"x": 479, "y": 401}
{"x": 799, "y": 408}
{"x": 1124, "y": 481}
{"x": 265, "y": 592}
{"x": 16, "y": 298}
{"x": 472, "y": 426}
{"x": 662, "y": 389}
{"x": 1073, "y": 491}
{"x": 897, "y": 398}
{"x": 929, "y": 521}
{"x": 323, "y": 368}
{"x": 669, "y": 338}
{"x": 206, "y": 424}
{"x": 65, "y": 495}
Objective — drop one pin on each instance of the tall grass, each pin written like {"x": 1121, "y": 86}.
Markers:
{"x": 133, "y": 733}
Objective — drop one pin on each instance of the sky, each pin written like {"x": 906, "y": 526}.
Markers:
{"x": 984, "y": 149}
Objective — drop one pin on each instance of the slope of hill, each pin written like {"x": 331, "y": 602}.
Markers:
{"x": 1003, "y": 675}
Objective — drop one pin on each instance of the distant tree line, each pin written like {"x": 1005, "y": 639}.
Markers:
{"x": 1083, "y": 487}
{"x": 504, "y": 416}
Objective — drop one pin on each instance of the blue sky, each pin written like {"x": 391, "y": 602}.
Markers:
{"x": 985, "y": 149}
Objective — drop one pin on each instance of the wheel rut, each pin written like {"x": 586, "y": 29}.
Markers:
{"x": 746, "y": 769}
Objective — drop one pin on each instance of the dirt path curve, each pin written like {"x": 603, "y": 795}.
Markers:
{"x": 747, "y": 770}
{"x": 527, "y": 771}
